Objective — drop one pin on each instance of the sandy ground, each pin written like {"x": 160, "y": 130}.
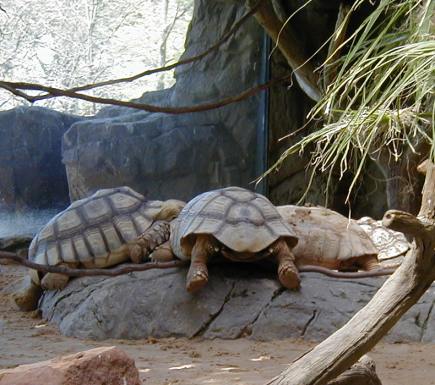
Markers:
{"x": 25, "y": 338}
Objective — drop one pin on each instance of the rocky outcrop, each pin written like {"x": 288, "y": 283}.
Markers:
{"x": 100, "y": 366}
{"x": 239, "y": 300}
{"x": 31, "y": 172}
{"x": 167, "y": 156}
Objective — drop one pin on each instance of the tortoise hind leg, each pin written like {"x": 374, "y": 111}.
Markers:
{"x": 54, "y": 281}
{"x": 197, "y": 276}
{"x": 288, "y": 273}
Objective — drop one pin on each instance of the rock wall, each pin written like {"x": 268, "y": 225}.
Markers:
{"x": 179, "y": 156}
{"x": 31, "y": 172}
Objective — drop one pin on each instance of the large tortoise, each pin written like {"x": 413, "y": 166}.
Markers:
{"x": 329, "y": 239}
{"x": 237, "y": 223}
{"x": 109, "y": 227}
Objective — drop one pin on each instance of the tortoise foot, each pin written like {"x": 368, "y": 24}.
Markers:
{"x": 196, "y": 278}
{"x": 27, "y": 297}
{"x": 289, "y": 276}
{"x": 54, "y": 281}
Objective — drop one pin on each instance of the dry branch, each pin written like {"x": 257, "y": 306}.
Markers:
{"x": 402, "y": 290}
{"x": 85, "y": 272}
{"x": 289, "y": 46}
{"x": 6, "y": 258}
{"x": 15, "y": 88}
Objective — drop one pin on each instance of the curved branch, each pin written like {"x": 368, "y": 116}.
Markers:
{"x": 56, "y": 92}
{"x": 128, "y": 268}
{"x": 119, "y": 270}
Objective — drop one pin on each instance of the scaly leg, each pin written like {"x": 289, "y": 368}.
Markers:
{"x": 163, "y": 253}
{"x": 197, "y": 276}
{"x": 140, "y": 249}
{"x": 288, "y": 273}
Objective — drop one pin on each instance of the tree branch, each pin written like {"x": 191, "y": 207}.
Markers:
{"x": 7, "y": 258}
{"x": 15, "y": 88}
{"x": 119, "y": 270}
{"x": 289, "y": 46}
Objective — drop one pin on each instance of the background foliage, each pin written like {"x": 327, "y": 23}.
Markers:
{"x": 66, "y": 43}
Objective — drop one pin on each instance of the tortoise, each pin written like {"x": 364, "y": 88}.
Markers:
{"x": 238, "y": 224}
{"x": 329, "y": 239}
{"x": 109, "y": 227}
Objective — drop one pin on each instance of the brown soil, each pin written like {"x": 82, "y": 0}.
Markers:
{"x": 26, "y": 339}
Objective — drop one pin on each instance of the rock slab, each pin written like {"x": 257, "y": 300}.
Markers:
{"x": 238, "y": 301}
{"x": 100, "y": 366}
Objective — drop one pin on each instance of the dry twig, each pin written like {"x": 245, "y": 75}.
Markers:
{"x": 128, "y": 268}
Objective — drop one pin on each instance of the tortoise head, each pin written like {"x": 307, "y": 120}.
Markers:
{"x": 170, "y": 209}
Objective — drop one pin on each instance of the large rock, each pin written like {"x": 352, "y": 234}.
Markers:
{"x": 238, "y": 301}
{"x": 31, "y": 171}
{"x": 100, "y": 366}
{"x": 167, "y": 156}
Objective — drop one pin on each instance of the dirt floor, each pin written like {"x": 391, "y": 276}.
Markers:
{"x": 25, "y": 338}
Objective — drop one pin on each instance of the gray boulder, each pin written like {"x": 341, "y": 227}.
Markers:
{"x": 31, "y": 171}
{"x": 237, "y": 302}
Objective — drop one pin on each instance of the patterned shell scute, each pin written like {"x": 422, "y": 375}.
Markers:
{"x": 93, "y": 227}
{"x": 240, "y": 219}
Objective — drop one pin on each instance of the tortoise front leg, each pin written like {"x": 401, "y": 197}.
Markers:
{"x": 163, "y": 253}
{"x": 197, "y": 276}
{"x": 288, "y": 273}
{"x": 140, "y": 249}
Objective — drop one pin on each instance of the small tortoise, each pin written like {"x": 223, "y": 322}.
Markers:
{"x": 237, "y": 223}
{"x": 329, "y": 239}
{"x": 390, "y": 244}
{"x": 105, "y": 229}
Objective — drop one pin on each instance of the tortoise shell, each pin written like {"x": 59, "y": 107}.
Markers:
{"x": 240, "y": 219}
{"x": 90, "y": 229}
{"x": 390, "y": 243}
{"x": 326, "y": 237}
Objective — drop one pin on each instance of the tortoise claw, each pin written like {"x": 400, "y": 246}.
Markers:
{"x": 196, "y": 279}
